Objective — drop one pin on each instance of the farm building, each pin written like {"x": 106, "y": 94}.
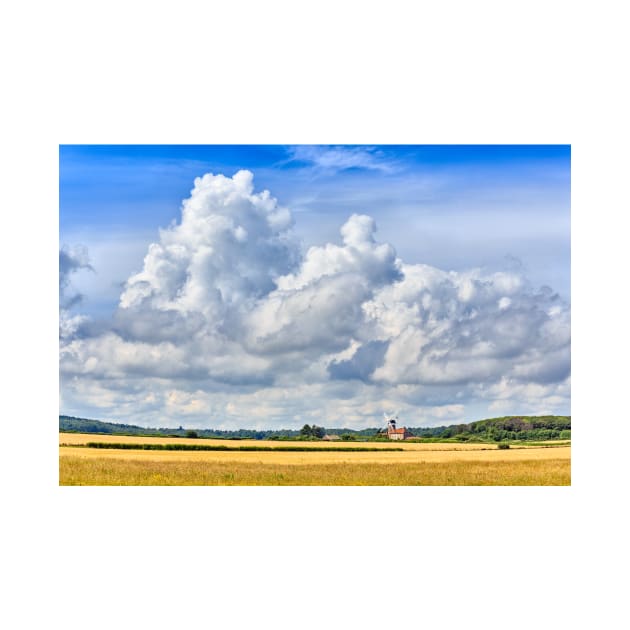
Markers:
{"x": 331, "y": 437}
{"x": 396, "y": 434}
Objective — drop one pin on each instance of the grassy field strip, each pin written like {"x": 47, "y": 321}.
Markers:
{"x": 84, "y": 438}
{"x": 104, "y": 471}
{"x": 322, "y": 463}
{"x": 325, "y": 457}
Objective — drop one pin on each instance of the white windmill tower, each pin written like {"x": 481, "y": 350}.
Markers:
{"x": 391, "y": 422}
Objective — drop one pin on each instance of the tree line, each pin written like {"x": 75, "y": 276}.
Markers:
{"x": 528, "y": 428}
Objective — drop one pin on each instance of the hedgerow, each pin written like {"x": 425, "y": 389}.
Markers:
{"x": 222, "y": 447}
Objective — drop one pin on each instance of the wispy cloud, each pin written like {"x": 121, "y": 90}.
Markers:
{"x": 332, "y": 159}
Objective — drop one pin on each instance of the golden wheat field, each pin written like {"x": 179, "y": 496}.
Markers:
{"x": 416, "y": 464}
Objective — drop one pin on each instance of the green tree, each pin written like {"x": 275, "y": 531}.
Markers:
{"x": 318, "y": 432}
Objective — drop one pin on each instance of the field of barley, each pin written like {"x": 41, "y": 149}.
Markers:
{"x": 416, "y": 464}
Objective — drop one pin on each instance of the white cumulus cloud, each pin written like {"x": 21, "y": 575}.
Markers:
{"x": 229, "y": 319}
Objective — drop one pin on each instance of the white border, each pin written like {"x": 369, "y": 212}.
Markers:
{"x": 339, "y": 72}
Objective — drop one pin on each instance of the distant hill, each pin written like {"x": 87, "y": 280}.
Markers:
{"x": 511, "y": 428}
{"x": 492, "y": 429}
{"x": 84, "y": 425}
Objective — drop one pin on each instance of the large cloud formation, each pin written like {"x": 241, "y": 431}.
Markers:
{"x": 230, "y": 323}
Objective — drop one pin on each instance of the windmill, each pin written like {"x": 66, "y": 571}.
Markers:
{"x": 391, "y": 421}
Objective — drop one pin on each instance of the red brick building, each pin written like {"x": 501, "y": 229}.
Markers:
{"x": 396, "y": 434}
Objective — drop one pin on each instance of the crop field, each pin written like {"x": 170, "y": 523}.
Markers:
{"x": 416, "y": 464}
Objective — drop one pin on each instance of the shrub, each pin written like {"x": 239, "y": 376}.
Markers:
{"x": 503, "y": 445}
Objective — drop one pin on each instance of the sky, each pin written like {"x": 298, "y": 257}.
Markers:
{"x": 273, "y": 286}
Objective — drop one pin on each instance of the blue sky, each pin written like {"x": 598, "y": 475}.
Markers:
{"x": 469, "y": 211}
{"x": 112, "y": 186}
